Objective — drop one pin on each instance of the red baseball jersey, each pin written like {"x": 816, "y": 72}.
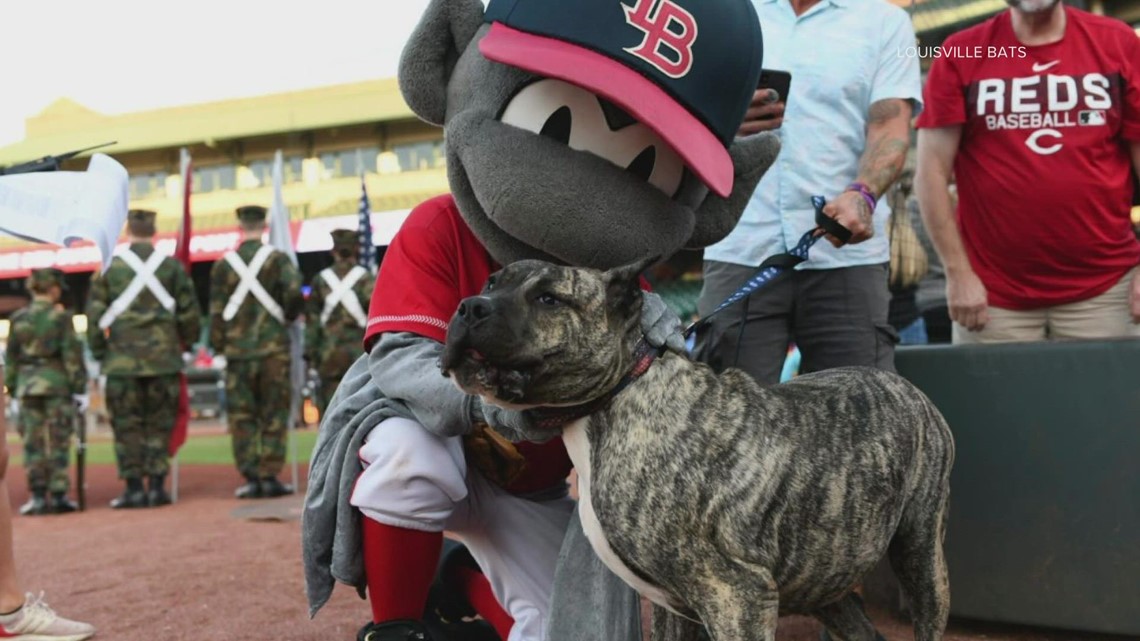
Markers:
{"x": 1043, "y": 168}
{"x": 434, "y": 262}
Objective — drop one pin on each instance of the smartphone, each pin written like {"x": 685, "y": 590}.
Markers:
{"x": 781, "y": 81}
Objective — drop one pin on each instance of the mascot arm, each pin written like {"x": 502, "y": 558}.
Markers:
{"x": 405, "y": 367}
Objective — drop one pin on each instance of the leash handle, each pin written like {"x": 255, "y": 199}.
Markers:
{"x": 780, "y": 263}
{"x": 827, "y": 223}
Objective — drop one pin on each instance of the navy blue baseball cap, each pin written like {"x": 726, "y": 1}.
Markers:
{"x": 685, "y": 68}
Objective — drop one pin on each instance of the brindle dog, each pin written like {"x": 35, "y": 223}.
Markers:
{"x": 724, "y": 501}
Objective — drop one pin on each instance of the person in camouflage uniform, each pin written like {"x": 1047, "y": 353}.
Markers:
{"x": 255, "y": 294}
{"x": 142, "y": 315}
{"x": 46, "y": 373}
{"x": 337, "y": 314}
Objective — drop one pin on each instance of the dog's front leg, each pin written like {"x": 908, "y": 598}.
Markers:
{"x": 670, "y": 627}
{"x": 740, "y": 604}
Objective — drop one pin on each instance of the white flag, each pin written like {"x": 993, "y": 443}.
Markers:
{"x": 282, "y": 240}
{"x": 279, "y": 236}
{"x": 64, "y": 207}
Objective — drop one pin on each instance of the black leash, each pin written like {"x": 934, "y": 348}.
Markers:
{"x": 781, "y": 263}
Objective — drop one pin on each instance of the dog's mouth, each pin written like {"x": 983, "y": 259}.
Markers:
{"x": 503, "y": 381}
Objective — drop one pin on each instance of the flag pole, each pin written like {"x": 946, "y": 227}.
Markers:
{"x": 281, "y": 238}
{"x": 184, "y": 171}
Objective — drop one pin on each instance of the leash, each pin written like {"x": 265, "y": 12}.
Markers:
{"x": 780, "y": 263}
{"x": 554, "y": 417}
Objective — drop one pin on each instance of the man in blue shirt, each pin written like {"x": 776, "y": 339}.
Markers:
{"x": 845, "y": 130}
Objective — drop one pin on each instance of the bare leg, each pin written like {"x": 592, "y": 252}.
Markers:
{"x": 11, "y": 595}
{"x": 20, "y": 615}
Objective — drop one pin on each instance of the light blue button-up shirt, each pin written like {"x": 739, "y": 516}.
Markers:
{"x": 843, "y": 55}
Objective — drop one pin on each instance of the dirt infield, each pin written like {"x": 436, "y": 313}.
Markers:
{"x": 200, "y": 571}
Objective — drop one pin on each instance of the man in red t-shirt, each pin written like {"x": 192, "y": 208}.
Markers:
{"x": 1037, "y": 114}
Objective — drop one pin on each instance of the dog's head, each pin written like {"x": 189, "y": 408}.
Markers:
{"x": 546, "y": 335}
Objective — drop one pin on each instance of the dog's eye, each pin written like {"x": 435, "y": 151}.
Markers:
{"x": 548, "y": 299}
{"x": 490, "y": 283}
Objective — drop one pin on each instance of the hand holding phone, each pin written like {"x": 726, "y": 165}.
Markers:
{"x": 766, "y": 114}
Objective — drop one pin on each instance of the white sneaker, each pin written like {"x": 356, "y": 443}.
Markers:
{"x": 38, "y": 622}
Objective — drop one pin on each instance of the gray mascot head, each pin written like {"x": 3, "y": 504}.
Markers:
{"x": 592, "y": 132}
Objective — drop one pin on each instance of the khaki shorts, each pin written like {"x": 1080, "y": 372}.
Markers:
{"x": 1105, "y": 316}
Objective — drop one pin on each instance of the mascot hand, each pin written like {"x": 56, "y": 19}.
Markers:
{"x": 662, "y": 328}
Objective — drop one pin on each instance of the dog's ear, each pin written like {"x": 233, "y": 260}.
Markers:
{"x": 623, "y": 288}
{"x": 716, "y": 217}
{"x": 626, "y": 274}
{"x": 442, "y": 35}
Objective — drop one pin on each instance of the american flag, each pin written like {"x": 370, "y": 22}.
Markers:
{"x": 367, "y": 257}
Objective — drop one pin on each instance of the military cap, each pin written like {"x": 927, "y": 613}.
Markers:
{"x": 42, "y": 279}
{"x": 345, "y": 238}
{"x": 251, "y": 213}
{"x": 140, "y": 222}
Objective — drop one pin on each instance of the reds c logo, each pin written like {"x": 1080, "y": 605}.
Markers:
{"x": 670, "y": 32}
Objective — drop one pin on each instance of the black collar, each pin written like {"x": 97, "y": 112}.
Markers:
{"x": 551, "y": 418}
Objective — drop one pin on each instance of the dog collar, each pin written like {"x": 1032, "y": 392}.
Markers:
{"x": 552, "y": 418}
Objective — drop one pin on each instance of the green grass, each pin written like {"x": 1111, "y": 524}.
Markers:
{"x": 209, "y": 449}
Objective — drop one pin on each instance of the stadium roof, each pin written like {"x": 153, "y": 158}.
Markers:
{"x": 66, "y": 125}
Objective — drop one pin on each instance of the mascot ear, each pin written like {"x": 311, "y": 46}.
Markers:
{"x": 751, "y": 158}
{"x": 442, "y": 35}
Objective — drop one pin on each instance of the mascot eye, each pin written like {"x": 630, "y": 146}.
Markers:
{"x": 558, "y": 125}
{"x": 586, "y": 122}
{"x": 548, "y": 299}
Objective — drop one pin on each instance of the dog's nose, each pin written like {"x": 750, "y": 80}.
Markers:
{"x": 475, "y": 309}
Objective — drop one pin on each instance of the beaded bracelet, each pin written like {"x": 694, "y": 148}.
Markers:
{"x": 866, "y": 192}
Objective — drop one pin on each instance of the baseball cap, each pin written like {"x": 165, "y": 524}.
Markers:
{"x": 687, "y": 69}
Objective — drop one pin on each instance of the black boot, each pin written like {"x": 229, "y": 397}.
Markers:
{"x": 156, "y": 495}
{"x": 402, "y": 630}
{"x": 449, "y": 615}
{"x": 272, "y": 488}
{"x": 37, "y": 504}
{"x": 251, "y": 489}
{"x": 132, "y": 497}
{"x": 60, "y": 504}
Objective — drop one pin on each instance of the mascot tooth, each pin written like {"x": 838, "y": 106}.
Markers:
{"x": 592, "y": 133}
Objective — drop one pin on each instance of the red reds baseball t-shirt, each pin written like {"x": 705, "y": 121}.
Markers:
{"x": 434, "y": 262}
{"x": 1043, "y": 168}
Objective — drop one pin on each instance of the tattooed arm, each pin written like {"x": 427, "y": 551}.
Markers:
{"x": 888, "y": 137}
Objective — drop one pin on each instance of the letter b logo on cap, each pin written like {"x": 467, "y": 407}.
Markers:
{"x": 670, "y": 32}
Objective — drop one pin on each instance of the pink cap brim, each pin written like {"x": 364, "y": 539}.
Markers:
{"x": 626, "y": 88}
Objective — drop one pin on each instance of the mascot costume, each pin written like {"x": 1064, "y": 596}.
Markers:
{"x": 585, "y": 132}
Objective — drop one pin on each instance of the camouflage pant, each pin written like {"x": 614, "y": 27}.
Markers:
{"x": 47, "y": 423}
{"x": 143, "y": 410}
{"x": 258, "y": 393}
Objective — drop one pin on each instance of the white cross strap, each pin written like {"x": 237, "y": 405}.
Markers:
{"x": 342, "y": 294}
{"x": 250, "y": 285}
{"x": 144, "y": 278}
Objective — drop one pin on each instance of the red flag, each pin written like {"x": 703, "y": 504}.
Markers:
{"x": 182, "y": 254}
{"x": 182, "y": 249}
